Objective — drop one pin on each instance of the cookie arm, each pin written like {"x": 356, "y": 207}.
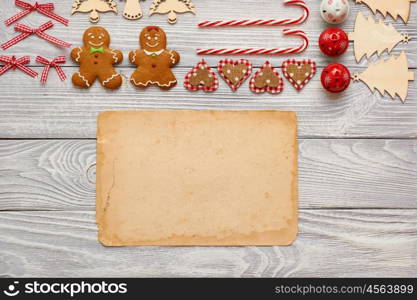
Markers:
{"x": 174, "y": 57}
{"x": 133, "y": 57}
{"x": 77, "y": 54}
{"x": 117, "y": 56}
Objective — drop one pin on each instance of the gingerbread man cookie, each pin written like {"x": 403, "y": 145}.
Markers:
{"x": 154, "y": 61}
{"x": 96, "y": 60}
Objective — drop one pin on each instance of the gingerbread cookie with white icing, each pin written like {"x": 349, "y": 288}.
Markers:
{"x": 96, "y": 60}
{"x": 154, "y": 61}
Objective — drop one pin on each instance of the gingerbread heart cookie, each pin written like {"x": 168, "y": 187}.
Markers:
{"x": 235, "y": 72}
{"x": 299, "y": 73}
{"x": 201, "y": 77}
{"x": 266, "y": 79}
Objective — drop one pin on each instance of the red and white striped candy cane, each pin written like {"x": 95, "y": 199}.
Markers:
{"x": 272, "y": 22}
{"x": 262, "y": 51}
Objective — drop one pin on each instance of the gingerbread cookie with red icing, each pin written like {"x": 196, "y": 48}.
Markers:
{"x": 154, "y": 61}
{"x": 96, "y": 60}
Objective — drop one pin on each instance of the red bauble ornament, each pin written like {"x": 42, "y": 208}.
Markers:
{"x": 333, "y": 42}
{"x": 335, "y": 78}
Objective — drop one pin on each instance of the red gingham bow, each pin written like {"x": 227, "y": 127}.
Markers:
{"x": 53, "y": 63}
{"x": 19, "y": 63}
{"x": 45, "y": 9}
{"x": 27, "y": 31}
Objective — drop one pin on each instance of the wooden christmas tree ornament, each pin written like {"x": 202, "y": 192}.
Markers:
{"x": 389, "y": 76}
{"x": 94, "y": 7}
{"x": 133, "y": 10}
{"x": 172, "y": 8}
{"x": 395, "y": 8}
{"x": 372, "y": 37}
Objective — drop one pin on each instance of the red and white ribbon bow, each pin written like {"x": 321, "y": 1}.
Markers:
{"x": 45, "y": 9}
{"x": 27, "y": 31}
{"x": 16, "y": 63}
{"x": 53, "y": 63}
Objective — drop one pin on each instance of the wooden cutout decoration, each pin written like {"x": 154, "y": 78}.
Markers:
{"x": 201, "y": 77}
{"x": 266, "y": 79}
{"x": 299, "y": 73}
{"x": 372, "y": 37}
{"x": 94, "y": 7}
{"x": 235, "y": 72}
{"x": 395, "y": 8}
{"x": 389, "y": 76}
{"x": 172, "y": 8}
{"x": 132, "y": 10}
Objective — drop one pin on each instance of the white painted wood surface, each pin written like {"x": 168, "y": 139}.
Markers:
{"x": 336, "y": 243}
{"x": 358, "y": 157}
{"x": 60, "y": 175}
{"x": 59, "y": 110}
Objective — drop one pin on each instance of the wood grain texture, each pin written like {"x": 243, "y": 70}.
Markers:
{"x": 185, "y": 36}
{"x": 59, "y": 110}
{"x": 339, "y": 243}
{"x": 339, "y": 179}
{"x": 60, "y": 175}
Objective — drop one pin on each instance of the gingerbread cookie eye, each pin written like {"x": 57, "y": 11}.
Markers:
{"x": 96, "y": 37}
{"x": 153, "y": 38}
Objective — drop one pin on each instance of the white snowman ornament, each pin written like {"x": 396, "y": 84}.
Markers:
{"x": 335, "y": 11}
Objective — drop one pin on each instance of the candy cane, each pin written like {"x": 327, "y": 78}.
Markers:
{"x": 259, "y": 51}
{"x": 272, "y": 22}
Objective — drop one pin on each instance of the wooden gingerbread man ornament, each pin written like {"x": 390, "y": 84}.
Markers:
{"x": 154, "y": 61}
{"x": 96, "y": 60}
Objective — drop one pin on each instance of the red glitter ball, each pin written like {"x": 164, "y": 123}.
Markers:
{"x": 333, "y": 42}
{"x": 335, "y": 78}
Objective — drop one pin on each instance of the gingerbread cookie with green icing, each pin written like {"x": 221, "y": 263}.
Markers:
{"x": 96, "y": 60}
{"x": 153, "y": 60}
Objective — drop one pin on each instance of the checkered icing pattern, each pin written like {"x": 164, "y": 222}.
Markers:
{"x": 299, "y": 84}
{"x": 245, "y": 76}
{"x": 268, "y": 89}
{"x": 201, "y": 65}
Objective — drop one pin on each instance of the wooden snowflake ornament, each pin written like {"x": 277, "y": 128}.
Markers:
{"x": 94, "y": 7}
{"x": 395, "y": 8}
{"x": 372, "y": 37}
{"x": 389, "y": 76}
{"x": 172, "y": 8}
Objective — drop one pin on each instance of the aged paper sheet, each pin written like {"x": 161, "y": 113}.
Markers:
{"x": 184, "y": 178}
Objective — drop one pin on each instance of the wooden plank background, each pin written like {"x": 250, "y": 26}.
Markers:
{"x": 358, "y": 157}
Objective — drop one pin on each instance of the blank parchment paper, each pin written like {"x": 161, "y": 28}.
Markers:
{"x": 184, "y": 178}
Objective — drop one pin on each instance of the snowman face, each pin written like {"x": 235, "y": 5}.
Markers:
{"x": 335, "y": 11}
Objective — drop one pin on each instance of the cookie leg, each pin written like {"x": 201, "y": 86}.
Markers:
{"x": 110, "y": 79}
{"x": 82, "y": 79}
{"x": 166, "y": 80}
{"x": 141, "y": 79}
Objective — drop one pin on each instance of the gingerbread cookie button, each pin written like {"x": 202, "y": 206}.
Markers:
{"x": 96, "y": 60}
{"x": 266, "y": 79}
{"x": 154, "y": 61}
{"x": 201, "y": 77}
